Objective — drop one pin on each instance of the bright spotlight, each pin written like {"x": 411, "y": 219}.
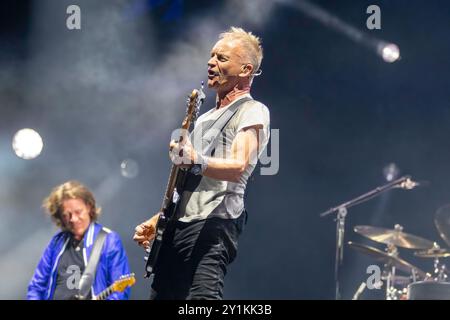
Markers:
{"x": 129, "y": 168}
{"x": 391, "y": 172}
{"x": 27, "y": 144}
{"x": 390, "y": 52}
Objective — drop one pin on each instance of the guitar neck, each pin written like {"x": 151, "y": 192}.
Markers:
{"x": 195, "y": 100}
{"x": 170, "y": 188}
{"x": 105, "y": 293}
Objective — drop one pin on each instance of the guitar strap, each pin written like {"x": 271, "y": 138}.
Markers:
{"x": 216, "y": 128}
{"x": 89, "y": 273}
{"x": 220, "y": 124}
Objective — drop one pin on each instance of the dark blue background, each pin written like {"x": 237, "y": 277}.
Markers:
{"x": 343, "y": 114}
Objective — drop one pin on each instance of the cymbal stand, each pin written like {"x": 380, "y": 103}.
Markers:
{"x": 391, "y": 291}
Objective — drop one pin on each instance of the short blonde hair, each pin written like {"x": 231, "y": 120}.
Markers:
{"x": 250, "y": 42}
{"x": 53, "y": 204}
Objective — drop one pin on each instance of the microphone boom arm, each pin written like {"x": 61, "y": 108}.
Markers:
{"x": 369, "y": 195}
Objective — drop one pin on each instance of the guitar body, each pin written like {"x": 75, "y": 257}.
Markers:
{"x": 119, "y": 285}
{"x": 156, "y": 245}
{"x": 167, "y": 216}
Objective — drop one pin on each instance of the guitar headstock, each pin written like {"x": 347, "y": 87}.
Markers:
{"x": 194, "y": 103}
{"x": 124, "y": 282}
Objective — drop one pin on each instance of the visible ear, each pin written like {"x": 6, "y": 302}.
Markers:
{"x": 246, "y": 70}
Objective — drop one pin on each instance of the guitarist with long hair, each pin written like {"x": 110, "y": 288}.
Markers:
{"x": 72, "y": 207}
{"x": 217, "y": 158}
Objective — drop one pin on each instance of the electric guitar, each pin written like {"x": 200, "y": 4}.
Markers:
{"x": 176, "y": 179}
{"x": 118, "y": 286}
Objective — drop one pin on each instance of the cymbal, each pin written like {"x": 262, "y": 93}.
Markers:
{"x": 394, "y": 237}
{"x": 442, "y": 222}
{"x": 384, "y": 257}
{"x": 433, "y": 253}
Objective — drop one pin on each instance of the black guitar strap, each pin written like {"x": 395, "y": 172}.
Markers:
{"x": 220, "y": 124}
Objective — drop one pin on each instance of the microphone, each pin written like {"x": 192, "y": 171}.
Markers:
{"x": 409, "y": 184}
{"x": 222, "y": 76}
{"x": 257, "y": 73}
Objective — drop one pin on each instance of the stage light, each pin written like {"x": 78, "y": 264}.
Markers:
{"x": 27, "y": 144}
{"x": 390, "y": 52}
{"x": 129, "y": 168}
{"x": 391, "y": 172}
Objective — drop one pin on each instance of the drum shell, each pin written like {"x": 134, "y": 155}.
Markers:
{"x": 429, "y": 290}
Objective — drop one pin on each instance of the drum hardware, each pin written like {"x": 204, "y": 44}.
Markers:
{"x": 391, "y": 290}
{"x": 439, "y": 270}
{"x": 341, "y": 212}
{"x": 394, "y": 237}
{"x": 388, "y": 258}
{"x": 419, "y": 285}
{"x": 359, "y": 291}
{"x": 434, "y": 286}
{"x": 442, "y": 222}
{"x": 392, "y": 264}
{"x": 429, "y": 290}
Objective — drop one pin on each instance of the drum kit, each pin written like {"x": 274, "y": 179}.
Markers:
{"x": 402, "y": 280}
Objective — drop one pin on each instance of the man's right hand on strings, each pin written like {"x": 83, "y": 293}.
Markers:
{"x": 145, "y": 232}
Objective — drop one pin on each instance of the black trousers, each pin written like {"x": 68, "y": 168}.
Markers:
{"x": 193, "y": 259}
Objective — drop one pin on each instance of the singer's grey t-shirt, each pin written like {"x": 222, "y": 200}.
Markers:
{"x": 215, "y": 198}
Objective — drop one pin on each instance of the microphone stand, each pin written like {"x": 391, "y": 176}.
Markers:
{"x": 341, "y": 213}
